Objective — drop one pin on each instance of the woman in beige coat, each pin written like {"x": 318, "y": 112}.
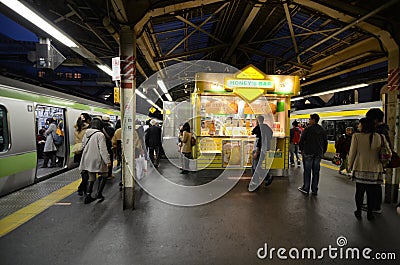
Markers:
{"x": 185, "y": 138}
{"x": 365, "y": 164}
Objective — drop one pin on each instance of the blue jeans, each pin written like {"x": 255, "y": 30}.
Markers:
{"x": 311, "y": 163}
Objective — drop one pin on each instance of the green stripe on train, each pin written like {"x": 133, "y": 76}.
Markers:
{"x": 17, "y": 163}
{"x": 53, "y": 101}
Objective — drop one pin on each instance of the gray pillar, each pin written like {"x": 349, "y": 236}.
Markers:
{"x": 128, "y": 111}
{"x": 392, "y": 120}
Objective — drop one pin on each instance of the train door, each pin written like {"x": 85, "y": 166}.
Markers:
{"x": 53, "y": 161}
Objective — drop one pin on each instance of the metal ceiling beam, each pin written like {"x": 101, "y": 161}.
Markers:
{"x": 196, "y": 28}
{"x": 243, "y": 28}
{"x": 266, "y": 55}
{"x": 289, "y": 21}
{"x": 358, "y": 50}
{"x": 170, "y": 10}
{"x": 175, "y": 56}
{"x": 376, "y": 61}
{"x": 143, "y": 43}
{"x": 355, "y": 22}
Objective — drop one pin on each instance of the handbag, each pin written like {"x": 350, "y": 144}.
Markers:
{"x": 394, "y": 161}
{"x": 141, "y": 167}
{"x": 77, "y": 149}
{"x": 385, "y": 154}
{"x": 336, "y": 160}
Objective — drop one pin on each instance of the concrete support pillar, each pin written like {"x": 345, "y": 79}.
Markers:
{"x": 128, "y": 111}
{"x": 392, "y": 113}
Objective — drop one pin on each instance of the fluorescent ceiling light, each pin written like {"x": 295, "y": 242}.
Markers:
{"x": 140, "y": 94}
{"x": 158, "y": 94}
{"x": 35, "y": 19}
{"x": 104, "y": 68}
{"x": 164, "y": 89}
{"x": 330, "y": 91}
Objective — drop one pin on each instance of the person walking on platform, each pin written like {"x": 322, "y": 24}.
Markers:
{"x": 377, "y": 115}
{"x": 263, "y": 143}
{"x": 185, "y": 137}
{"x": 343, "y": 147}
{"x": 295, "y": 134}
{"x": 50, "y": 148}
{"x": 313, "y": 144}
{"x": 365, "y": 164}
{"x": 95, "y": 158}
{"x": 153, "y": 141}
{"x": 117, "y": 143}
{"x": 82, "y": 124}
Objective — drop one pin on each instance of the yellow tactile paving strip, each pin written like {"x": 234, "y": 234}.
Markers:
{"x": 23, "y": 215}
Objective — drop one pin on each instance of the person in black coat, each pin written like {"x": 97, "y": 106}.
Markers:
{"x": 154, "y": 142}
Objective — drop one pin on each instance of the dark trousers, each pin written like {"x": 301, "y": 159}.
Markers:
{"x": 361, "y": 188}
{"x": 311, "y": 164}
{"x": 154, "y": 153}
{"x": 378, "y": 197}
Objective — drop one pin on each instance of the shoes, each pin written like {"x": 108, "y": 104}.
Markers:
{"x": 269, "y": 181}
{"x": 370, "y": 216}
{"x": 314, "y": 193}
{"x": 80, "y": 193}
{"x": 340, "y": 172}
{"x": 298, "y": 164}
{"x": 89, "y": 199}
{"x": 364, "y": 207}
{"x": 302, "y": 190}
{"x": 100, "y": 197}
{"x": 357, "y": 214}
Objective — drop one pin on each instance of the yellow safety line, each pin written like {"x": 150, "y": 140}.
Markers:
{"x": 330, "y": 166}
{"x": 14, "y": 220}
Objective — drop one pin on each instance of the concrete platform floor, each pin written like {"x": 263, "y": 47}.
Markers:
{"x": 230, "y": 230}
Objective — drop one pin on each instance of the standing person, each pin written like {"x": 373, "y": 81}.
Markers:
{"x": 365, "y": 164}
{"x": 60, "y": 153}
{"x": 50, "y": 148}
{"x": 154, "y": 142}
{"x": 117, "y": 143}
{"x": 342, "y": 149}
{"x": 263, "y": 143}
{"x": 109, "y": 131}
{"x": 82, "y": 124}
{"x": 185, "y": 137}
{"x": 313, "y": 144}
{"x": 95, "y": 157}
{"x": 376, "y": 115}
{"x": 295, "y": 134}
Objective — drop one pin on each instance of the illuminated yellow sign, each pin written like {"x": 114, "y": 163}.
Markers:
{"x": 152, "y": 109}
{"x": 250, "y": 72}
{"x": 116, "y": 95}
{"x": 264, "y": 84}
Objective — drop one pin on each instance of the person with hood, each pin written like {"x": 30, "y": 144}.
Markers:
{"x": 50, "y": 148}
{"x": 95, "y": 158}
{"x": 313, "y": 145}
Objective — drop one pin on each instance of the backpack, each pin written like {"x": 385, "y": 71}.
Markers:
{"x": 58, "y": 139}
{"x": 296, "y": 135}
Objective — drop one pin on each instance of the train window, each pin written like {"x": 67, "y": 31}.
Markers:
{"x": 4, "y": 131}
{"x": 329, "y": 127}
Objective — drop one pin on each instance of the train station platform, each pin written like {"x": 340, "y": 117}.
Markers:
{"x": 48, "y": 223}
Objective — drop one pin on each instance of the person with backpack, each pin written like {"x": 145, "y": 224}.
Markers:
{"x": 342, "y": 149}
{"x": 295, "y": 134}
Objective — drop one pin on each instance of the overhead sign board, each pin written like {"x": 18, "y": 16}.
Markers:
{"x": 116, "y": 69}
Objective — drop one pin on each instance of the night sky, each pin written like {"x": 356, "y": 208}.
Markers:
{"x": 13, "y": 30}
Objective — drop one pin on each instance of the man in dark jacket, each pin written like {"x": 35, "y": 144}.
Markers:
{"x": 153, "y": 141}
{"x": 313, "y": 144}
{"x": 343, "y": 147}
{"x": 263, "y": 143}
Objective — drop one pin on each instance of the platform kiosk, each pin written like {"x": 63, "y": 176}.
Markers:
{"x": 226, "y": 106}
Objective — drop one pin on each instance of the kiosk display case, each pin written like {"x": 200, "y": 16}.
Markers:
{"x": 226, "y": 107}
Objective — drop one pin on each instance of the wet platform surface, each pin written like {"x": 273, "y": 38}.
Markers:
{"x": 230, "y": 230}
